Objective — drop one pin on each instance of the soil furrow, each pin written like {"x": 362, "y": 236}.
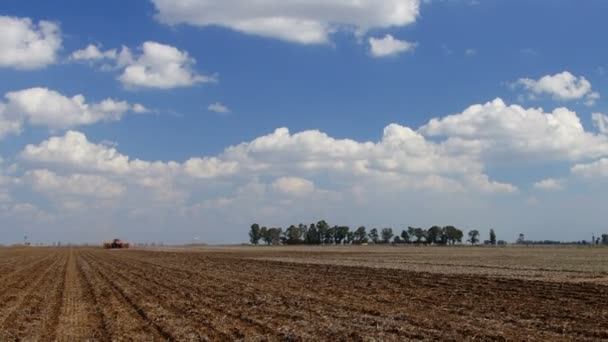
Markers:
{"x": 121, "y": 321}
{"x": 78, "y": 320}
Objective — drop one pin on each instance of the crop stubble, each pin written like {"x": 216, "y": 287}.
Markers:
{"x": 92, "y": 294}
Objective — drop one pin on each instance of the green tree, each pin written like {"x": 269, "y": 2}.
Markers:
{"x": 418, "y": 233}
{"x": 605, "y": 239}
{"x": 474, "y": 237}
{"x": 293, "y": 235}
{"x": 360, "y": 235}
{"x": 405, "y": 237}
{"x": 387, "y": 235}
{"x": 312, "y": 235}
{"x": 324, "y": 231}
{"x": 397, "y": 240}
{"x": 434, "y": 234}
{"x": 453, "y": 234}
{"x": 350, "y": 238}
{"x": 492, "y": 237}
{"x": 329, "y": 235}
{"x": 275, "y": 235}
{"x": 254, "y": 234}
{"x": 265, "y": 235}
{"x": 341, "y": 234}
{"x": 373, "y": 235}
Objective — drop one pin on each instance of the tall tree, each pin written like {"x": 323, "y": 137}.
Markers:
{"x": 266, "y": 235}
{"x": 453, "y": 234}
{"x": 492, "y": 237}
{"x": 275, "y": 235}
{"x": 474, "y": 237}
{"x": 312, "y": 235}
{"x": 387, "y": 235}
{"x": 340, "y": 234}
{"x": 434, "y": 234}
{"x": 418, "y": 233}
{"x": 605, "y": 239}
{"x": 350, "y": 238}
{"x": 405, "y": 237}
{"x": 361, "y": 235}
{"x": 324, "y": 231}
{"x": 254, "y": 234}
{"x": 411, "y": 231}
{"x": 373, "y": 235}
{"x": 293, "y": 235}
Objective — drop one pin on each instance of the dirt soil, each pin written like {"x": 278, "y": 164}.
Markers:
{"x": 78, "y": 294}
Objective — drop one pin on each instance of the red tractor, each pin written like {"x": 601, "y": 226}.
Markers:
{"x": 115, "y": 244}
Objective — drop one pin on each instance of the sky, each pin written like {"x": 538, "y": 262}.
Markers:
{"x": 182, "y": 121}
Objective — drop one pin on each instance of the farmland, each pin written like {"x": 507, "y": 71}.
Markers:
{"x": 304, "y": 293}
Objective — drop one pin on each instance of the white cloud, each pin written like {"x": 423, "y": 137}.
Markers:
{"x": 496, "y": 130}
{"x": 140, "y": 109}
{"x": 207, "y": 168}
{"x": 218, "y": 108}
{"x": 304, "y": 22}
{"x": 49, "y": 182}
{"x": 74, "y": 151}
{"x": 161, "y": 66}
{"x": 158, "y": 65}
{"x": 550, "y": 184}
{"x": 389, "y": 46}
{"x": 26, "y": 45}
{"x": 285, "y": 177}
{"x": 399, "y": 160}
{"x": 596, "y": 169}
{"x": 45, "y": 107}
{"x": 92, "y": 52}
{"x": 563, "y": 86}
{"x": 438, "y": 172}
{"x": 470, "y": 52}
{"x": 601, "y": 122}
{"x": 293, "y": 186}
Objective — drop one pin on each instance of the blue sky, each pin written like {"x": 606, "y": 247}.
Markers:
{"x": 324, "y": 81}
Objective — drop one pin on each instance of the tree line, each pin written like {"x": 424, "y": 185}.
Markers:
{"x": 321, "y": 233}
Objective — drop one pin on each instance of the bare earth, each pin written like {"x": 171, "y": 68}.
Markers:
{"x": 304, "y": 293}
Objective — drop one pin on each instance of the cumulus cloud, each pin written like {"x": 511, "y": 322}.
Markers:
{"x": 283, "y": 177}
{"x": 93, "y": 53}
{"x": 140, "y": 109}
{"x": 596, "y": 169}
{"x": 304, "y": 22}
{"x": 95, "y": 186}
{"x": 161, "y": 66}
{"x": 45, "y": 107}
{"x": 27, "y": 45}
{"x": 495, "y": 129}
{"x": 209, "y": 168}
{"x": 218, "y": 108}
{"x": 601, "y": 122}
{"x": 74, "y": 151}
{"x": 563, "y": 86}
{"x": 389, "y": 46}
{"x": 293, "y": 186}
{"x": 156, "y": 65}
{"x": 550, "y": 184}
{"x": 399, "y": 160}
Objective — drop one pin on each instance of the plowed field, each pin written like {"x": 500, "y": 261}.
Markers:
{"x": 92, "y": 294}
